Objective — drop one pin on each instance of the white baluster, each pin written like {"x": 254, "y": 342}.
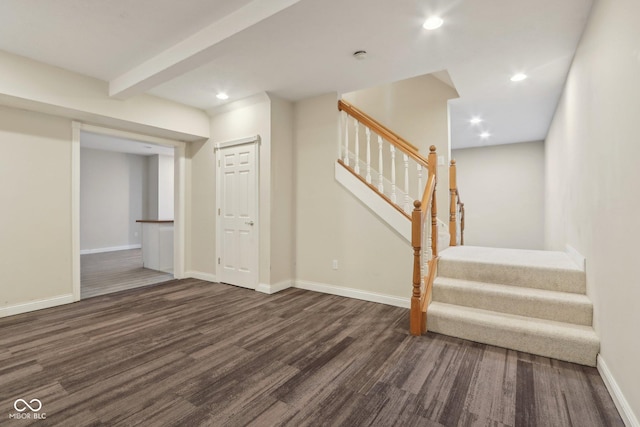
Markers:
{"x": 368, "y": 133}
{"x": 423, "y": 253}
{"x": 394, "y": 198}
{"x": 357, "y": 160}
{"x": 380, "y": 163}
{"x": 407, "y": 205}
{"x": 346, "y": 141}
{"x": 420, "y": 189}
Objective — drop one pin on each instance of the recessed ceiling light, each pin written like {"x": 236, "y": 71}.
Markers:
{"x": 222, "y": 96}
{"x": 518, "y": 77}
{"x": 475, "y": 120}
{"x": 485, "y": 135}
{"x": 432, "y": 23}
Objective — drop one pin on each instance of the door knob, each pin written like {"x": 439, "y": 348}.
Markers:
{"x": 249, "y": 222}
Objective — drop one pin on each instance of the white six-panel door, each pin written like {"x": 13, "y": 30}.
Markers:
{"x": 237, "y": 215}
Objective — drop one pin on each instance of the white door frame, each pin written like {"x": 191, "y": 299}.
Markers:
{"x": 217, "y": 147}
{"x": 179, "y": 230}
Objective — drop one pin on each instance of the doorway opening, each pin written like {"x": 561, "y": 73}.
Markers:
{"x": 128, "y": 196}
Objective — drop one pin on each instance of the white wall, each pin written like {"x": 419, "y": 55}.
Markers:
{"x": 593, "y": 202}
{"x": 41, "y": 87}
{"x": 282, "y": 194}
{"x": 39, "y": 265}
{"x": 416, "y": 109}
{"x": 160, "y": 199}
{"x": 113, "y": 190}
{"x": 331, "y": 223}
{"x": 502, "y": 188}
{"x": 237, "y": 120}
{"x": 165, "y": 187}
{"x": 200, "y": 251}
{"x": 153, "y": 175}
{"x": 35, "y": 236}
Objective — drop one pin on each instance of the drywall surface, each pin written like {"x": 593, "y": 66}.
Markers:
{"x": 35, "y": 237}
{"x": 282, "y": 194}
{"x": 113, "y": 190}
{"x": 592, "y": 198}
{"x": 502, "y": 188}
{"x": 200, "y": 250}
{"x": 331, "y": 224}
{"x": 41, "y": 87}
{"x": 160, "y": 187}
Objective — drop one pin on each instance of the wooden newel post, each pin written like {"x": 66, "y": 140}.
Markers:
{"x": 415, "y": 317}
{"x": 453, "y": 190}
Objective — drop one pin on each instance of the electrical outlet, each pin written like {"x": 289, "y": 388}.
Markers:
{"x": 334, "y": 264}
{"x": 440, "y": 160}
{"x": 135, "y": 234}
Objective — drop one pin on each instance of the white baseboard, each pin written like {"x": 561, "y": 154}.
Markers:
{"x": 629, "y": 418}
{"x": 576, "y": 257}
{"x": 276, "y": 287}
{"x": 36, "y": 305}
{"x": 354, "y": 293}
{"x": 111, "y": 249}
{"x": 202, "y": 276}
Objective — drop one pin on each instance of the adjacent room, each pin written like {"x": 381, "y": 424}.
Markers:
{"x": 126, "y": 214}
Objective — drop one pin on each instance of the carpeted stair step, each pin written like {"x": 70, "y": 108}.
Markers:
{"x": 572, "y": 343}
{"x": 542, "y": 304}
{"x": 553, "y": 271}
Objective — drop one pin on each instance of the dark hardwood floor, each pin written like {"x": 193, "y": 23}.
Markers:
{"x": 190, "y": 353}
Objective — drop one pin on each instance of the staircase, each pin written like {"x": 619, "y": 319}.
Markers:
{"x": 530, "y": 301}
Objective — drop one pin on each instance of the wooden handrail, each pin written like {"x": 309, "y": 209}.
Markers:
{"x": 428, "y": 191}
{"x": 393, "y": 138}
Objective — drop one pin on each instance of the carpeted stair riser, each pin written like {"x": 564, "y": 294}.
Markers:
{"x": 571, "y": 343}
{"x": 540, "y": 278}
{"x": 536, "y": 303}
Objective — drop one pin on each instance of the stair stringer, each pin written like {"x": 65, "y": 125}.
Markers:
{"x": 374, "y": 202}
{"x": 384, "y": 210}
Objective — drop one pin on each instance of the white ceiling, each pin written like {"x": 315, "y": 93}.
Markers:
{"x": 188, "y": 50}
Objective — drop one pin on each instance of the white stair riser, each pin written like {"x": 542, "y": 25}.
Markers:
{"x": 538, "y": 278}
{"x": 582, "y": 351}
{"x": 577, "y": 311}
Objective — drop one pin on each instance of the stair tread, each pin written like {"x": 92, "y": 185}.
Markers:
{"x": 511, "y": 257}
{"x": 511, "y": 290}
{"x": 514, "y": 321}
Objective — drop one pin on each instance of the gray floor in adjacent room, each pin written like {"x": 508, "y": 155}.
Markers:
{"x": 191, "y": 353}
{"x": 107, "y": 272}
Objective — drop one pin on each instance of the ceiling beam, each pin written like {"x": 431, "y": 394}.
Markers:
{"x": 194, "y": 51}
